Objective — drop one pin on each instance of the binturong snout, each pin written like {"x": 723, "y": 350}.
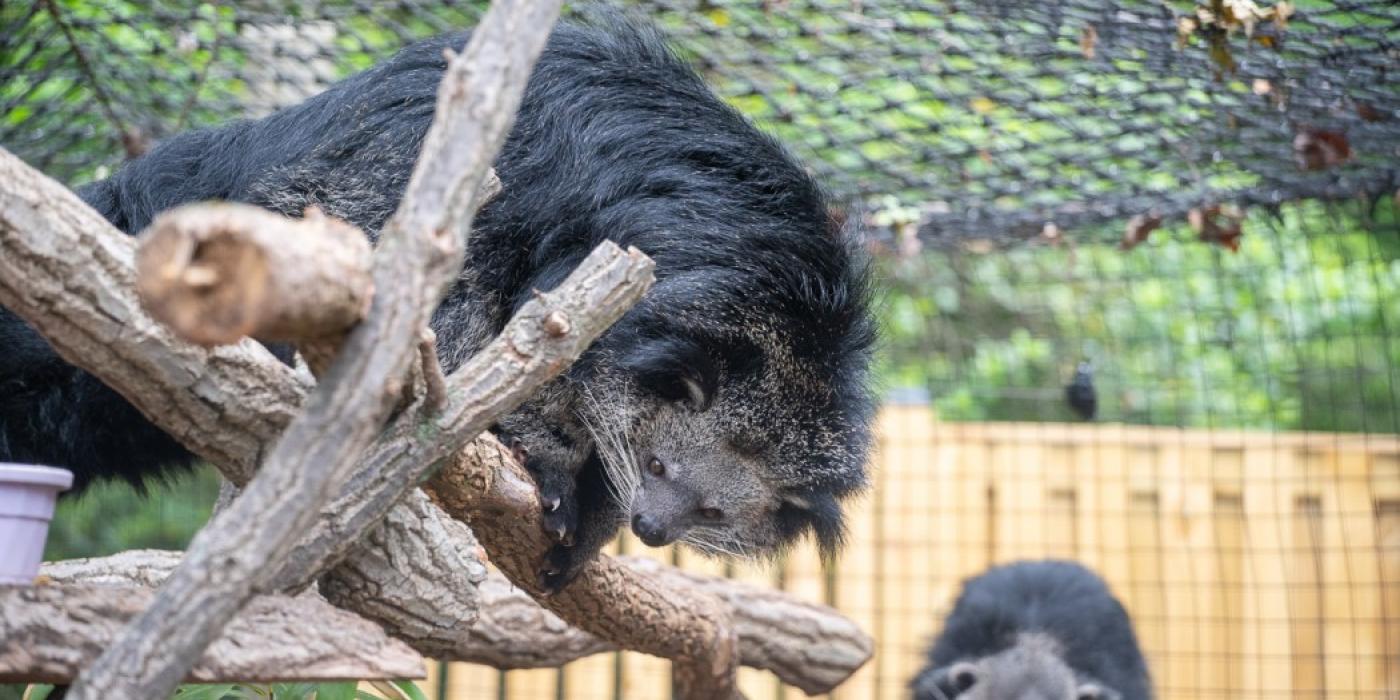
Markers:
{"x": 663, "y": 506}
{"x": 652, "y": 531}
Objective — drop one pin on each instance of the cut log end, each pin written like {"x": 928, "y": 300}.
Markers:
{"x": 205, "y": 284}
{"x": 216, "y": 273}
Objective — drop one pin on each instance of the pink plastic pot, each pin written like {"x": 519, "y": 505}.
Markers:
{"x": 27, "y": 496}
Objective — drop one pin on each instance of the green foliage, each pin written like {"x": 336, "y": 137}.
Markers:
{"x": 1295, "y": 331}
{"x": 111, "y": 517}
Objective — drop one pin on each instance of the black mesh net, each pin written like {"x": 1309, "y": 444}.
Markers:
{"x": 971, "y": 120}
{"x": 1197, "y": 199}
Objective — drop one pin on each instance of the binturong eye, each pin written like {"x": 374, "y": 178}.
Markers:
{"x": 712, "y": 514}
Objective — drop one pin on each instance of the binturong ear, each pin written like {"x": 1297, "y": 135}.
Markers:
{"x": 818, "y": 512}
{"x": 676, "y": 369}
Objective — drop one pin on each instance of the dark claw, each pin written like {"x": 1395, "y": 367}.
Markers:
{"x": 560, "y": 567}
{"x": 560, "y": 514}
{"x": 552, "y": 582}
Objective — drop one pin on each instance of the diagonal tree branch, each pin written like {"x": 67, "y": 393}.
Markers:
{"x": 418, "y": 255}
{"x": 486, "y": 488}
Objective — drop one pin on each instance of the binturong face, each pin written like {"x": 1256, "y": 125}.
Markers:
{"x": 736, "y": 454}
{"x": 702, "y": 486}
{"x": 1029, "y": 670}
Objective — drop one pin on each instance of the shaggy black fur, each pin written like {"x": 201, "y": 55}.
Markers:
{"x": 760, "y": 303}
{"x": 1059, "y": 599}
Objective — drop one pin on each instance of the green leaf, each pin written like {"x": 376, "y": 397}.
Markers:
{"x": 336, "y": 691}
{"x": 216, "y": 691}
{"x": 410, "y": 689}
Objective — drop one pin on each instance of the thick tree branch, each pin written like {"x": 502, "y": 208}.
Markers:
{"x": 215, "y": 273}
{"x": 419, "y": 254}
{"x": 416, "y": 573}
{"x": 66, "y": 271}
{"x": 810, "y": 646}
{"x": 49, "y": 632}
{"x": 806, "y": 645}
{"x": 486, "y": 487}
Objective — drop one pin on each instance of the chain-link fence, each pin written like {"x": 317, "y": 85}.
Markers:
{"x": 1184, "y": 210}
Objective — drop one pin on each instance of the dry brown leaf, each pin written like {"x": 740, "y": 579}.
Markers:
{"x": 1316, "y": 149}
{"x": 1088, "y": 39}
{"x": 1138, "y": 229}
{"x": 1221, "y": 225}
{"x": 1369, "y": 113}
{"x": 1185, "y": 27}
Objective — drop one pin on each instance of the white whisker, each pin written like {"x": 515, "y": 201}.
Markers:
{"x": 718, "y": 542}
{"x": 610, "y": 439}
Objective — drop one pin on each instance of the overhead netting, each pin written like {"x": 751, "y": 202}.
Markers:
{"x": 1196, "y": 198}
{"x": 968, "y": 119}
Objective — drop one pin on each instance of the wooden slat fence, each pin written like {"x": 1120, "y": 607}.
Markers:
{"x": 1255, "y": 564}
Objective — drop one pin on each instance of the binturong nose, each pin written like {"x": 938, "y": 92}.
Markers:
{"x": 651, "y": 531}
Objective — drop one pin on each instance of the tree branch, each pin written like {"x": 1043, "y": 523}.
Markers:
{"x": 501, "y": 376}
{"x": 215, "y": 273}
{"x": 49, "y": 632}
{"x": 419, "y": 254}
{"x": 67, "y": 272}
{"x": 486, "y": 488}
{"x": 807, "y": 645}
{"x": 416, "y": 572}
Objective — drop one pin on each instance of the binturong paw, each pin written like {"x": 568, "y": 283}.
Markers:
{"x": 558, "y": 502}
{"x": 562, "y": 564}
{"x": 558, "y": 506}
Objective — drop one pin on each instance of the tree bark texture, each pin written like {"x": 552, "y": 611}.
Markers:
{"x": 49, "y": 632}
{"x": 382, "y": 590}
{"x": 64, "y": 269}
{"x": 486, "y": 487}
{"x": 215, "y": 273}
{"x": 71, "y": 275}
{"x": 808, "y": 646}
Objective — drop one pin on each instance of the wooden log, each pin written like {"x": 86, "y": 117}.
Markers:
{"x": 49, "y": 632}
{"x": 809, "y": 646}
{"x": 215, "y": 273}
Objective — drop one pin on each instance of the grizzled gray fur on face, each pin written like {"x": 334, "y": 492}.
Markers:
{"x": 1046, "y": 630}
{"x": 729, "y": 410}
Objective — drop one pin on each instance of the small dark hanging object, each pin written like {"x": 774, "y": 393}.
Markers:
{"x": 1080, "y": 394}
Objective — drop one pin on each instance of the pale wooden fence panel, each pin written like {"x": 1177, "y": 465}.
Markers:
{"x": 1255, "y": 565}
